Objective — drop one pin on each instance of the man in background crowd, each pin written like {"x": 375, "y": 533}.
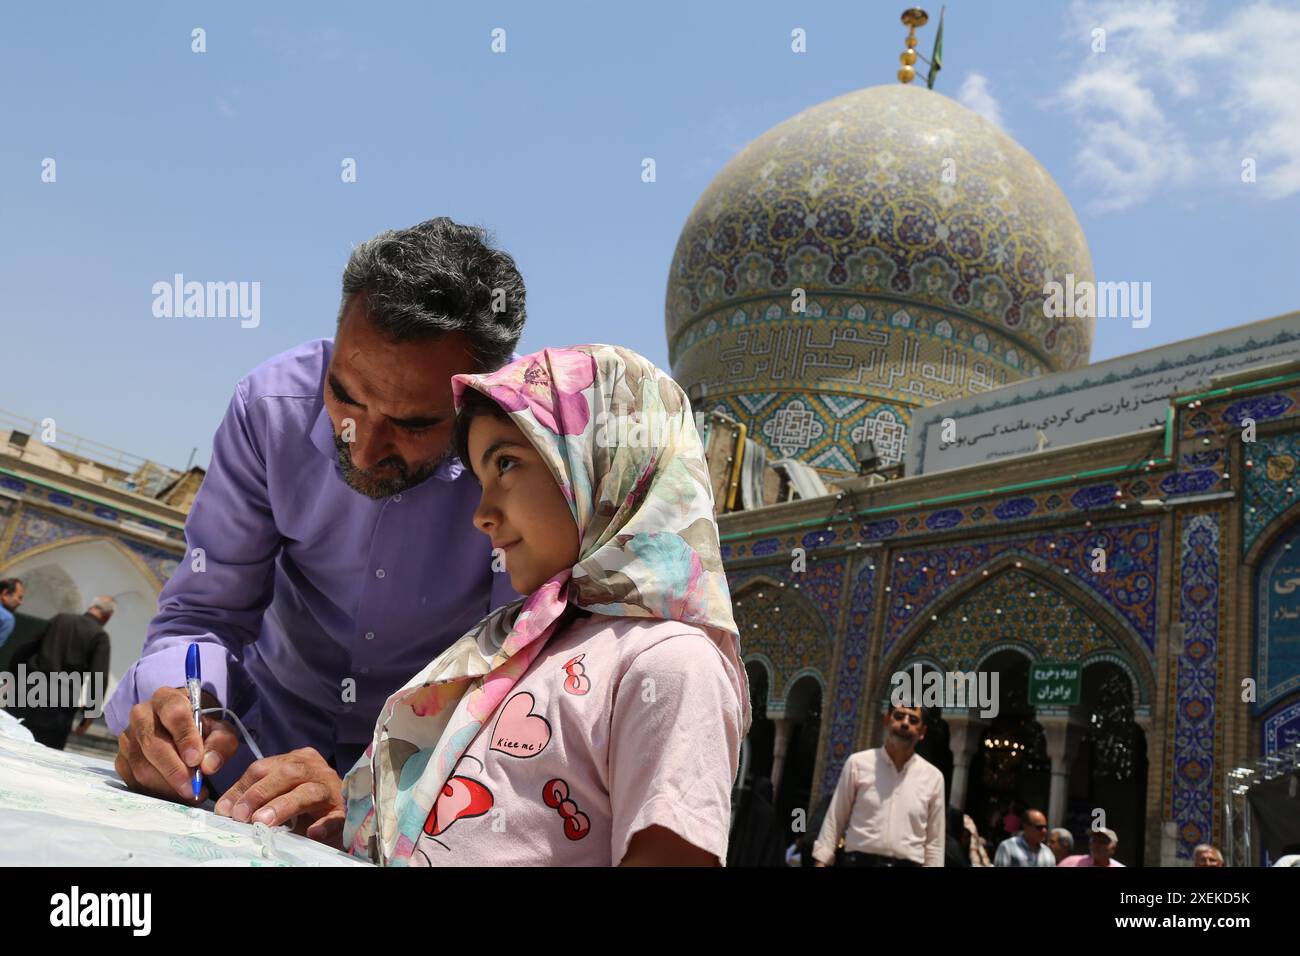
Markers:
{"x": 1061, "y": 843}
{"x": 1102, "y": 844}
{"x": 1207, "y": 855}
{"x": 76, "y": 645}
{"x": 1028, "y": 847}
{"x": 876, "y": 802}
{"x": 11, "y": 598}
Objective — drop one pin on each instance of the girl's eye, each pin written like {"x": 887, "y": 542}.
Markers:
{"x": 501, "y": 464}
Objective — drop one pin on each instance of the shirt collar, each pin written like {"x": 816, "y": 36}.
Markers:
{"x": 884, "y": 754}
{"x": 322, "y": 434}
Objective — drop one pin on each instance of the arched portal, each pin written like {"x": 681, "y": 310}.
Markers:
{"x": 63, "y": 577}
{"x": 1016, "y": 612}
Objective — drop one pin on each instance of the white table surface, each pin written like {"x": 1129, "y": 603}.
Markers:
{"x": 65, "y": 809}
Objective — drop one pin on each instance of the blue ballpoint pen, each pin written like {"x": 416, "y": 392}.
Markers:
{"x": 194, "y": 684}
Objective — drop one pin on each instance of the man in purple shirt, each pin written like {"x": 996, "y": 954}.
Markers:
{"x": 331, "y": 548}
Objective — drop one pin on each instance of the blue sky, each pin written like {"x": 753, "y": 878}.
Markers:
{"x": 225, "y": 165}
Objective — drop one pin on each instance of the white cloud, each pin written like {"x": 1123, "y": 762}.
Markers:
{"x": 1176, "y": 102}
{"x": 976, "y": 94}
{"x": 1266, "y": 87}
{"x": 1127, "y": 148}
{"x": 1117, "y": 90}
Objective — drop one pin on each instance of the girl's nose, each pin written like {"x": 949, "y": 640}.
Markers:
{"x": 485, "y": 516}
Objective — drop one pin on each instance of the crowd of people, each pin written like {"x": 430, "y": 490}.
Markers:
{"x": 889, "y": 809}
{"x": 71, "y": 644}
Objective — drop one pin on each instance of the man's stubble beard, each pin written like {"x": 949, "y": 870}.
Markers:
{"x": 364, "y": 483}
{"x": 901, "y": 739}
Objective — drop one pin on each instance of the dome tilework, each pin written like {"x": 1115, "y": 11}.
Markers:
{"x": 876, "y": 253}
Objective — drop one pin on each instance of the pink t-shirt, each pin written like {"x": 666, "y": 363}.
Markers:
{"x": 619, "y": 724}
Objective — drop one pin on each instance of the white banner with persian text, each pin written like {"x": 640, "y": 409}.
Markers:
{"x": 1110, "y": 398}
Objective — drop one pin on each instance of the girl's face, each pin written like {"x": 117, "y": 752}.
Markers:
{"x": 522, "y": 510}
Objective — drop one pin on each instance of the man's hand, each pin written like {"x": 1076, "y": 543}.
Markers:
{"x": 161, "y": 747}
{"x": 277, "y": 789}
{"x": 81, "y": 728}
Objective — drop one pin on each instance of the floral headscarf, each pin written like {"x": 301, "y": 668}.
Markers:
{"x": 619, "y": 437}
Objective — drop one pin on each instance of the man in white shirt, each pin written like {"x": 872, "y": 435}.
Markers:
{"x": 888, "y": 805}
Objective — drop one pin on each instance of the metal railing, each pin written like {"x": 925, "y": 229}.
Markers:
{"x": 128, "y": 472}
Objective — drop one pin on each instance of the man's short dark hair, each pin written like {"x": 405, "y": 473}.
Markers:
{"x": 436, "y": 278}
{"x": 9, "y": 585}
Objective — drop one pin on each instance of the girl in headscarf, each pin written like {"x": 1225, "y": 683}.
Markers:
{"x": 598, "y": 720}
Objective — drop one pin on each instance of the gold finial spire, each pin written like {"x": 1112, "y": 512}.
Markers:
{"x": 912, "y": 18}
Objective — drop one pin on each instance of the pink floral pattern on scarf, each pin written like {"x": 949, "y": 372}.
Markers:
{"x": 550, "y": 385}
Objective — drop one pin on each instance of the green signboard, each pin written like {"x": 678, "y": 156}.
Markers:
{"x": 1054, "y": 685}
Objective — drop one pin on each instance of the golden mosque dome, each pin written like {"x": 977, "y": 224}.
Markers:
{"x": 921, "y": 236}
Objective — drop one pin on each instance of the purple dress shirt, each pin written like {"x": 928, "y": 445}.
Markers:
{"x": 303, "y": 583}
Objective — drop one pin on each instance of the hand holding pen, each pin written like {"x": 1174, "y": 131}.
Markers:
{"x": 161, "y": 749}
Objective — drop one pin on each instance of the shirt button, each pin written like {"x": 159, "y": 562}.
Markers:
{"x": 370, "y": 635}
{"x": 379, "y": 573}
{"x": 397, "y": 497}
{"x": 365, "y": 670}
{"x": 347, "y": 708}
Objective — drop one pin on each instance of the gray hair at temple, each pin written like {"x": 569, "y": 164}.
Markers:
{"x": 104, "y": 604}
{"x": 1065, "y": 837}
{"x": 436, "y": 278}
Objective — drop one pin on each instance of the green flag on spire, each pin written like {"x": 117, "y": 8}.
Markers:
{"x": 936, "y": 58}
